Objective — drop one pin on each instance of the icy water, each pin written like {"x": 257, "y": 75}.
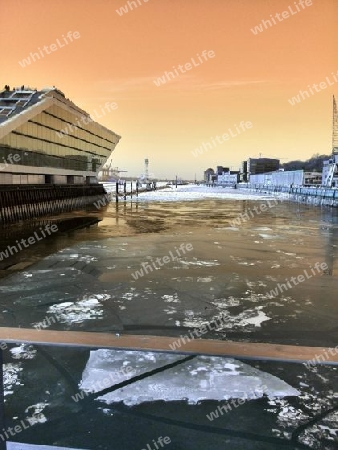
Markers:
{"x": 165, "y": 266}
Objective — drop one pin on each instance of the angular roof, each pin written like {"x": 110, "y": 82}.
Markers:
{"x": 20, "y": 104}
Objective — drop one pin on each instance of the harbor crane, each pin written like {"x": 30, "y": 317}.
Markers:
{"x": 330, "y": 168}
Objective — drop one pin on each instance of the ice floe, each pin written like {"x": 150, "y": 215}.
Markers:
{"x": 112, "y": 365}
{"x": 203, "y": 378}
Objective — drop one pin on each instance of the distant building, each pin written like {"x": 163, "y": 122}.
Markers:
{"x": 256, "y": 166}
{"x": 221, "y": 169}
{"x": 244, "y": 172}
{"x": 229, "y": 178}
{"x": 312, "y": 178}
{"x": 208, "y": 174}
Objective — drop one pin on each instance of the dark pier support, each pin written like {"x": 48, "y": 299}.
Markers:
{"x": 25, "y": 202}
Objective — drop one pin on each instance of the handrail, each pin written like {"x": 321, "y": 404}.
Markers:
{"x": 242, "y": 350}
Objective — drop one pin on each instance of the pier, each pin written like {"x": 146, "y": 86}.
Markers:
{"x": 22, "y": 202}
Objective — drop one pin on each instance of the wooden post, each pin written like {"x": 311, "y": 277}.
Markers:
{"x": 131, "y": 190}
{"x": 117, "y": 191}
{"x": 125, "y": 190}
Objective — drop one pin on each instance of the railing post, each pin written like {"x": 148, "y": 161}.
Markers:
{"x": 117, "y": 191}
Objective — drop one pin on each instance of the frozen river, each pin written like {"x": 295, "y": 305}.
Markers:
{"x": 167, "y": 264}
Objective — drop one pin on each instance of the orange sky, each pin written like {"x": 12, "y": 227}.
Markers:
{"x": 250, "y": 78}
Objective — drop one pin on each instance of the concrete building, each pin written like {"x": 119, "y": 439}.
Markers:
{"x": 46, "y": 139}
{"x": 229, "y": 178}
{"x": 256, "y": 166}
{"x": 50, "y": 154}
{"x": 287, "y": 178}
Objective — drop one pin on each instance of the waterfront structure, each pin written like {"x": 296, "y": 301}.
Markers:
{"x": 46, "y": 139}
{"x": 290, "y": 178}
{"x": 50, "y": 154}
{"x": 257, "y": 166}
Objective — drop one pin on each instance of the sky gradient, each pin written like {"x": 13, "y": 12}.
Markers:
{"x": 251, "y": 77}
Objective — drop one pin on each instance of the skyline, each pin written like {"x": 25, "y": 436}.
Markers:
{"x": 182, "y": 75}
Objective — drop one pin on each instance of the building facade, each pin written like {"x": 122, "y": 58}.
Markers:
{"x": 46, "y": 139}
{"x": 256, "y": 166}
{"x": 208, "y": 175}
{"x": 229, "y": 178}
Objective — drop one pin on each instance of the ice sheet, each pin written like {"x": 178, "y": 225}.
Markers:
{"x": 203, "y": 378}
{"x": 116, "y": 366}
{"x": 194, "y": 192}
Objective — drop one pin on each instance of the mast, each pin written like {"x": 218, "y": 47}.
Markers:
{"x": 334, "y": 128}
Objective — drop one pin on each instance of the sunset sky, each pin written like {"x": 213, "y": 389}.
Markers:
{"x": 251, "y": 77}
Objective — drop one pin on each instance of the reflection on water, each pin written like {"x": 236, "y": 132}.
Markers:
{"x": 82, "y": 277}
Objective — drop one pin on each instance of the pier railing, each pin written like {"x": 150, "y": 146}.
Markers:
{"x": 90, "y": 340}
{"x": 314, "y": 194}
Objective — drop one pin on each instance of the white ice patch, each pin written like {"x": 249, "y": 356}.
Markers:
{"x": 171, "y": 298}
{"x": 11, "y": 377}
{"x": 203, "y": 378}
{"x": 247, "y": 319}
{"x": 109, "y": 367}
{"x": 23, "y": 352}
{"x": 194, "y": 192}
{"x": 35, "y": 413}
{"x": 287, "y": 413}
{"x": 204, "y": 280}
{"x": 253, "y": 284}
{"x": 201, "y": 263}
{"x": 82, "y": 258}
{"x": 86, "y": 309}
{"x": 129, "y": 295}
{"x": 223, "y": 303}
